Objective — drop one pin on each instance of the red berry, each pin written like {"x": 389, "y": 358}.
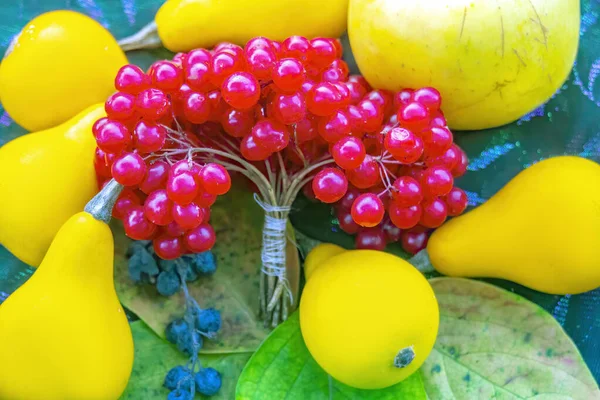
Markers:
{"x": 407, "y": 191}
{"x": 448, "y": 160}
{"x": 152, "y": 104}
{"x": 429, "y": 97}
{"x": 329, "y": 185}
{"x": 322, "y": 52}
{"x": 288, "y": 108}
{"x": 168, "y": 247}
{"x": 371, "y": 239}
{"x": 137, "y": 226}
{"x": 237, "y": 123}
{"x": 413, "y": 242}
{"x": 174, "y": 230}
{"x": 180, "y": 59}
{"x": 461, "y": 166}
{"x": 436, "y": 181}
{"x": 126, "y": 202}
{"x": 260, "y": 62}
{"x": 215, "y": 179}
{"x": 414, "y": 116}
{"x": 332, "y": 74}
{"x": 156, "y": 177}
{"x": 305, "y": 130}
{"x": 346, "y": 221}
{"x": 197, "y": 76}
{"x": 200, "y": 239}
{"x": 404, "y": 217}
{"x": 348, "y": 152}
{"x": 197, "y": 108}
{"x": 224, "y": 64}
{"x": 356, "y": 119}
{"x": 372, "y": 115}
{"x": 382, "y": 98}
{"x": 251, "y": 151}
{"x": 198, "y": 55}
{"x": 188, "y": 216}
{"x": 129, "y": 169}
{"x": 366, "y": 175}
{"x": 230, "y": 48}
{"x": 288, "y": 75}
{"x": 182, "y": 188}
{"x": 131, "y": 79}
{"x": 271, "y": 135}
{"x": 334, "y": 127}
{"x": 323, "y": 99}
{"x": 240, "y": 90}
{"x": 438, "y": 119}
{"x": 259, "y": 42}
{"x": 403, "y": 145}
{"x": 166, "y": 76}
{"x": 157, "y": 208}
{"x": 357, "y": 92}
{"x": 457, "y": 201}
{"x": 149, "y": 137}
{"x": 102, "y": 162}
{"x": 368, "y": 210}
{"x": 402, "y": 98}
{"x": 434, "y": 214}
{"x": 111, "y": 136}
{"x": 346, "y": 202}
{"x": 185, "y": 165}
{"x": 392, "y": 232}
{"x": 297, "y": 47}
{"x": 205, "y": 199}
{"x": 120, "y": 106}
{"x": 437, "y": 141}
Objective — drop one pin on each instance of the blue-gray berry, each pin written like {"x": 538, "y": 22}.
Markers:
{"x": 176, "y": 329}
{"x": 178, "y": 377}
{"x": 204, "y": 263}
{"x": 208, "y": 320}
{"x": 190, "y": 343}
{"x": 208, "y": 381}
{"x": 168, "y": 283}
{"x": 179, "y": 394}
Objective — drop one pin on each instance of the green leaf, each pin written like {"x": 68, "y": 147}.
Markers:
{"x": 283, "y": 368}
{"x": 495, "y": 344}
{"x": 233, "y": 289}
{"x": 154, "y": 357}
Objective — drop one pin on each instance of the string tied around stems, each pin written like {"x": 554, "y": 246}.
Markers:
{"x": 274, "y": 241}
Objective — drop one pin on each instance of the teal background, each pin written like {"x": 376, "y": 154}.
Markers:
{"x": 568, "y": 124}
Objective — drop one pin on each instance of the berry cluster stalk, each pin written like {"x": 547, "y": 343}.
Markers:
{"x": 277, "y": 191}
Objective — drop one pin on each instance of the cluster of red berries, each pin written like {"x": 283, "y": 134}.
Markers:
{"x": 293, "y": 100}
{"x": 395, "y": 180}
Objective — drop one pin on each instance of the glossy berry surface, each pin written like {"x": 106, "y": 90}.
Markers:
{"x": 129, "y": 169}
{"x": 182, "y": 188}
{"x": 288, "y": 111}
{"x": 157, "y": 208}
{"x": 434, "y": 213}
{"x": 371, "y": 238}
{"x": 413, "y": 241}
{"x": 329, "y": 185}
{"x": 407, "y": 191}
{"x": 215, "y": 179}
{"x": 367, "y": 210}
{"x": 456, "y": 201}
{"x": 240, "y": 90}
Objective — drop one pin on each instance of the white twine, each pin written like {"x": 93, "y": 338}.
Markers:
{"x": 274, "y": 242}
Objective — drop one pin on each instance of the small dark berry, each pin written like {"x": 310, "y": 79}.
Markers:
{"x": 176, "y": 329}
{"x": 208, "y": 320}
{"x": 208, "y": 381}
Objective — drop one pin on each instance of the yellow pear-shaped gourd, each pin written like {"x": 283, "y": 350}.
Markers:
{"x": 187, "y": 24}
{"x": 59, "y": 64}
{"x": 541, "y": 230}
{"x": 45, "y": 178}
{"x": 64, "y": 334}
